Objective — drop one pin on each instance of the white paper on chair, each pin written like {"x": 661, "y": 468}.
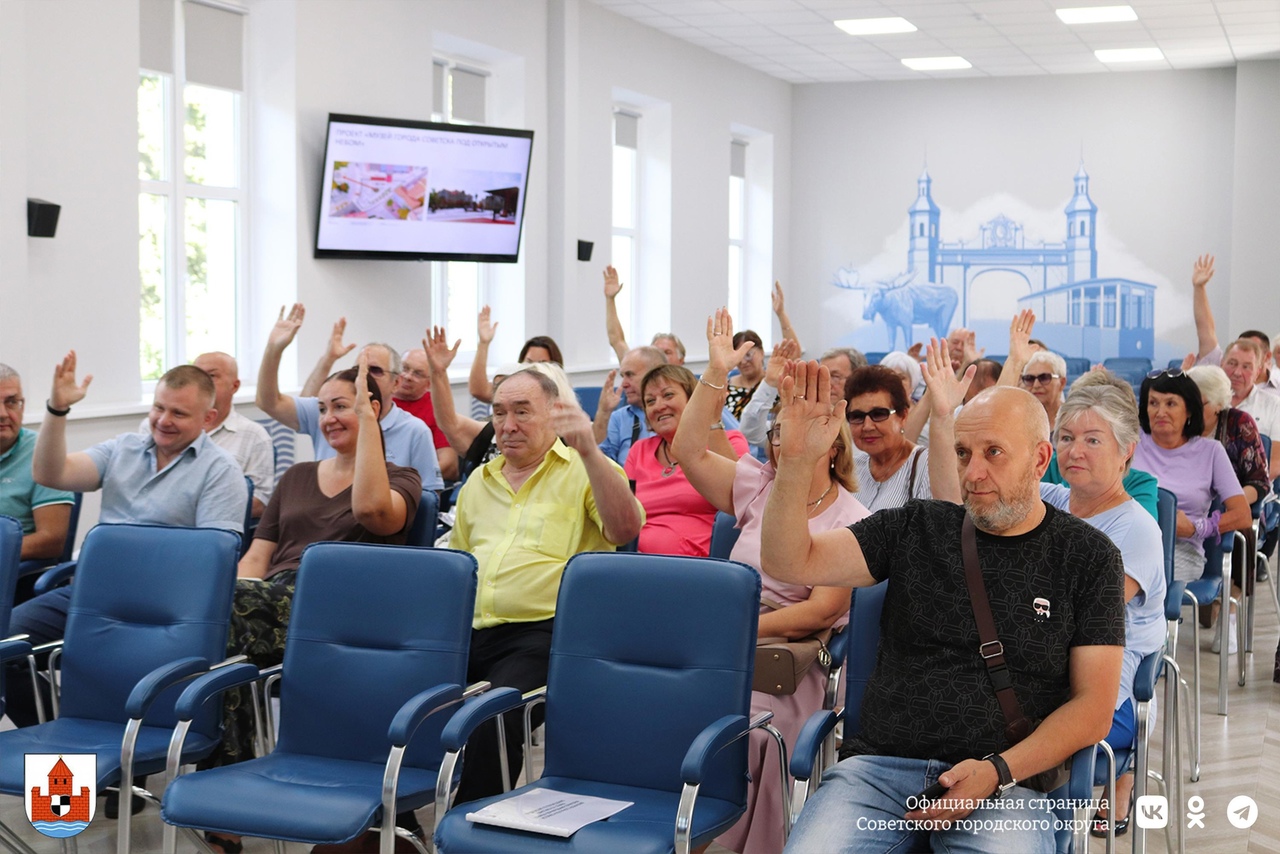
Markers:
{"x": 548, "y": 812}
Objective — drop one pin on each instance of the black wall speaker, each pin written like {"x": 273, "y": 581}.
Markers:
{"x": 42, "y": 218}
{"x": 584, "y": 250}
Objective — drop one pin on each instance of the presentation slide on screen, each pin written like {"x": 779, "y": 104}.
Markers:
{"x": 402, "y": 189}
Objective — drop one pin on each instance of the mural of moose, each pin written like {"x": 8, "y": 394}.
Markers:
{"x": 901, "y": 304}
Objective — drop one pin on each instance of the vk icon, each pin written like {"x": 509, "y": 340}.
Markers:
{"x": 1152, "y": 812}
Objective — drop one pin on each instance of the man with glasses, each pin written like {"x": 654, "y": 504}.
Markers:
{"x": 44, "y": 513}
{"x": 412, "y": 393}
{"x": 407, "y": 440}
{"x": 523, "y": 515}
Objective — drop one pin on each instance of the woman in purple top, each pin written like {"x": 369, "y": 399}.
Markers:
{"x": 1235, "y": 429}
{"x": 1193, "y": 468}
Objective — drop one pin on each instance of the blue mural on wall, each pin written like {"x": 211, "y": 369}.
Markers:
{"x": 944, "y": 285}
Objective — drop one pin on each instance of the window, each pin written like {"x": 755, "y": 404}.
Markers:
{"x": 626, "y": 212}
{"x": 1109, "y": 306}
{"x": 191, "y": 183}
{"x": 737, "y": 227}
{"x": 458, "y": 287}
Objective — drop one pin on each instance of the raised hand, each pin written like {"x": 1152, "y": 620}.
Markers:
{"x": 611, "y": 284}
{"x": 282, "y": 334}
{"x": 573, "y": 426}
{"x": 721, "y": 353}
{"x": 809, "y": 420}
{"x": 969, "y": 348}
{"x": 609, "y": 396}
{"x": 484, "y": 328}
{"x": 1020, "y": 338}
{"x": 783, "y": 352}
{"x": 779, "y": 301}
{"x": 1202, "y": 272}
{"x": 337, "y": 349}
{"x": 915, "y": 350}
{"x": 439, "y": 354}
{"x": 1188, "y": 362}
{"x": 65, "y": 392}
{"x": 364, "y": 404}
{"x": 946, "y": 390}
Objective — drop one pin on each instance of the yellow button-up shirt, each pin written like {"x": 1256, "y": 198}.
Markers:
{"x": 523, "y": 539}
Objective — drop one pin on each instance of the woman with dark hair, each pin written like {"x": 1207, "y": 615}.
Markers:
{"x": 1234, "y": 428}
{"x": 539, "y": 348}
{"x": 891, "y": 469}
{"x": 750, "y": 372}
{"x": 678, "y": 520}
{"x": 355, "y": 496}
{"x": 1193, "y": 468}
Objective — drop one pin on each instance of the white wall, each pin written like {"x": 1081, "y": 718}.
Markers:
{"x": 1158, "y": 147}
{"x": 1255, "y": 208}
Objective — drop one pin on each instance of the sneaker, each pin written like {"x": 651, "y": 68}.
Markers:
{"x": 1233, "y": 644}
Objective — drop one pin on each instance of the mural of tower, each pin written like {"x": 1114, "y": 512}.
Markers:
{"x": 922, "y": 257}
{"x": 1082, "y": 220}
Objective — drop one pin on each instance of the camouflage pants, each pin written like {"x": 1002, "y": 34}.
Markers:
{"x": 259, "y": 621}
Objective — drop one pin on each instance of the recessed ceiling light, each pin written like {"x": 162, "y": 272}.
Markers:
{"x": 875, "y": 26}
{"x": 937, "y": 63}
{"x": 1129, "y": 54}
{"x": 1097, "y": 14}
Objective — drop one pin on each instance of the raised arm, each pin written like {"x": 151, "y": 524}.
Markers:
{"x": 51, "y": 465}
{"x": 609, "y": 399}
{"x": 269, "y": 399}
{"x": 710, "y": 473}
{"x": 335, "y": 351}
{"x": 478, "y": 382}
{"x": 1019, "y": 348}
{"x": 754, "y": 422}
{"x": 780, "y": 309}
{"x": 460, "y": 430}
{"x": 1206, "y": 328}
{"x": 376, "y": 506}
{"x": 946, "y": 392}
{"x": 612, "y": 325}
{"x": 620, "y": 513}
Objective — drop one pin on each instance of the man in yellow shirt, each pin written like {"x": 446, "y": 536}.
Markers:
{"x": 523, "y": 515}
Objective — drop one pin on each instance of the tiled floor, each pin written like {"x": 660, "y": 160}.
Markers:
{"x": 1241, "y": 757}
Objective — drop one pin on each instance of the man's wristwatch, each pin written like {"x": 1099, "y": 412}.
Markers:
{"x": 1006, "y": 781}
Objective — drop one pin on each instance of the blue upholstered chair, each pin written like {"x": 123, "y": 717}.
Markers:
{"x": 1131, "y": 369}
{"x": 149, "y": 608}
{"x": 724, "y": 535}
{"x": 647, "y": 700}
{"x": 31, "y": 567}
{"x": 10, "y": 559}
{"x": 863, "y": 645}
{"x": 423, "y": 530}
{"x": 375, "y": 656}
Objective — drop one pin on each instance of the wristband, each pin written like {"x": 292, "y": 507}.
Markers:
{"x": 719, "y": 425}
{"x": 59, "y": 412}
{"x": 1004, "y": 778}
{"x": 711, "y": 385}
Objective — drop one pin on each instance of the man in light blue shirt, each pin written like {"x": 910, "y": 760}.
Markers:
{"x": 175, "y": 476}
{"x": 407, "y": 439}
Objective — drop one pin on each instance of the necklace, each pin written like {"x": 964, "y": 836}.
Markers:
{"x": 825, "y": 493}
{"x": 671, "y": 466}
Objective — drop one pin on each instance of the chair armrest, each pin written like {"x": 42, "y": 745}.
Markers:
{"x": 708, "y": 743}
{"x": 34, "y": 565}
{"x": 476, "y": 711}
{"x": 14, "y": 647}
{"x": 838, "y": 646}
{"x": 210, "y": 685}
{"x": 1144, "y": 681}
{"x": 1173, "y": 600}
{"x": 809, "y": 742}
{"x": 54, "y": 577}
{"x": 1080, "y": 786}
{"x": 150, "y": 686}
{"x": 419, "y": 708}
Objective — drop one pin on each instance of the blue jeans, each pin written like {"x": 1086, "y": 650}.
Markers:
{"x": 860, "y": 805}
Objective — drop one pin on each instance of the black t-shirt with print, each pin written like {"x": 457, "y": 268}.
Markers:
{"x": 930, "y": 696}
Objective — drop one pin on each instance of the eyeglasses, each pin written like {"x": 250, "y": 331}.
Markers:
{"x": 13, "y": 404}
{"x": 375, "y": 371}
{"x": 1171, "y": 372}
{"x": 774, "y": 435}
{"x": 415, "y": 373}
{"x": 877, "y": 415}
{"x": 1032, "y": 379}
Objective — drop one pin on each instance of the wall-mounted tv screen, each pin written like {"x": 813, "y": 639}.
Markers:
{"x": 422, "y": 191}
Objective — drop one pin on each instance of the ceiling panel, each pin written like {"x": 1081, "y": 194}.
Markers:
{"x": 796, "y": 40}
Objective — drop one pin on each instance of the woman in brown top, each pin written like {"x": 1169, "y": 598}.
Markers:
{"x": 356, "y": 496}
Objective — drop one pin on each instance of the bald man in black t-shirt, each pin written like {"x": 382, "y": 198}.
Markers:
{"x": 930, "y": 712}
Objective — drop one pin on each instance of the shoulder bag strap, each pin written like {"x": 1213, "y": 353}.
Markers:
{"x": 992, "y": 651}
{"x": 911, "y": 482}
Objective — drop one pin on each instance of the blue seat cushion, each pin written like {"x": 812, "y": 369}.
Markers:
{"x": 647, "y": 827}
{"x": 80, "y": 735}
{"x": 291, "y": 796}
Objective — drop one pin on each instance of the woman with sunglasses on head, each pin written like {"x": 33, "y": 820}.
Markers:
{"x": 1195, "y": 469}
{"x": 891, "y": 469}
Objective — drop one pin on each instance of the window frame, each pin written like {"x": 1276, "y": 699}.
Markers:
{"x": 631, "y": 234}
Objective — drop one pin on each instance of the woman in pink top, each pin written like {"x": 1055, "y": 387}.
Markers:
{"x": 742, "y": 488}
{"x": 678, "y": 520}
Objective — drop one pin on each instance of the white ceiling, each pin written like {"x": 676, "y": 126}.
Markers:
{"x": 795, "y": 40}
